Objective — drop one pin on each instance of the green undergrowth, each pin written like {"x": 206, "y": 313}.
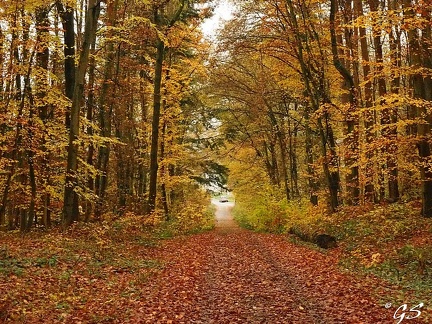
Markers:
{"x": 392, "y": 242}
{"x": 389, "y": 241}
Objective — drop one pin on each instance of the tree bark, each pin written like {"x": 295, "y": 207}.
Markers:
{"x": 330, "y": 165}
{"x": 292, "y": 135}
{"x": 422, "y": 88}
{"x": 67, "y": 15}
{"x": 352, "y": 137}
{"x": 151, "y": 204}
{"x": 90, "y": 132}
{"x": 70, "y": 208}
{"x": 106, "y": 108}
{"x": 283, "y": 151}
{"x": 368, "y": 115}
{"x": 392, "y": 160}
{"x": 312, "y": 179}
{"x": 42, "y": 61}
{"x": 164, "y": 174}
{"x": 142, "y": 168}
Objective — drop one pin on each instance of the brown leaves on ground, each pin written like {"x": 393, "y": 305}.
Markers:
{"x": 244, "y": 277}
{"x": 215, "y": 277}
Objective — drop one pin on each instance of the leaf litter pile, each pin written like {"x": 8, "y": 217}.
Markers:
{"x": 222, "y": 276}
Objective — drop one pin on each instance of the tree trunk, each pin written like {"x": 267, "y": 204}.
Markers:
{"x": 293, "y": 161}
{"x": 142, "y": 169}
{"x": 392, "y": 166}
{"x": 125, "y": 154}
{"x": 68, "y": 18}
{"x": 424, "y": 130}
{"x": 2, "y": 75}
{"x": 32, "y": 217}
{"x": 90, "y": 132}
{"x": 163, "y": 173}
{"x": 106, "y": 107}
{"x": 312, "y": 179}
{"x": 351, "y": 120}
{"x": 283, "y": 151}
{"x": 160, "y": 47}
{"x": 270, "y": 163}
{"x": 70, "y": 208}
{"x": 330, "y": 164}
{"x": 419, "y": 57}
{"x": 368, "y": 115}
{"x": 42, "y": 60}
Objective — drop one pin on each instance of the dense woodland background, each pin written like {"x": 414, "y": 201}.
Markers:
{"x": 118, "y": 119}
{"x": 121, "y": 106}
{"x": 331, "y": 100}
{"x": 100, "y": 109}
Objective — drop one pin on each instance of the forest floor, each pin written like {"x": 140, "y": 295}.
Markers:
{"x": 227, "y": 275}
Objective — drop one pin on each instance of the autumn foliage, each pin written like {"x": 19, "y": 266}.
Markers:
{"x": 117, "y": 119}
{"x": 100, "y": 107}
{"x": 328, "y": 101}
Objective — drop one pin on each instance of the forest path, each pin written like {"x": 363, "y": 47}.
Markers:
{"x": 231, "y": 275}
{"x": 224, "y": 221}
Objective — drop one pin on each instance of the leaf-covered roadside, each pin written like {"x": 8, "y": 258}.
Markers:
{"x": 390, "y": 241}
{"x": 111, "y": 275}
{"x": 92, "y": 273}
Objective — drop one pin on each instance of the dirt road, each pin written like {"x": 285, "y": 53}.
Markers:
{"x": 232, "y": 275}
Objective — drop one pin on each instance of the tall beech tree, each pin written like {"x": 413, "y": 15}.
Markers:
{"x": 70, "y": 209}
{"x": 351, "y": 114}
{"x": 165, "y": 14}
{"x": 419, "y": 38}
{"x": 44, "y": 113}
{"x": 106, "y": 103}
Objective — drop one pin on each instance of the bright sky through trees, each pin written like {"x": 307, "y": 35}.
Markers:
{"x": 223, "y": 12}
